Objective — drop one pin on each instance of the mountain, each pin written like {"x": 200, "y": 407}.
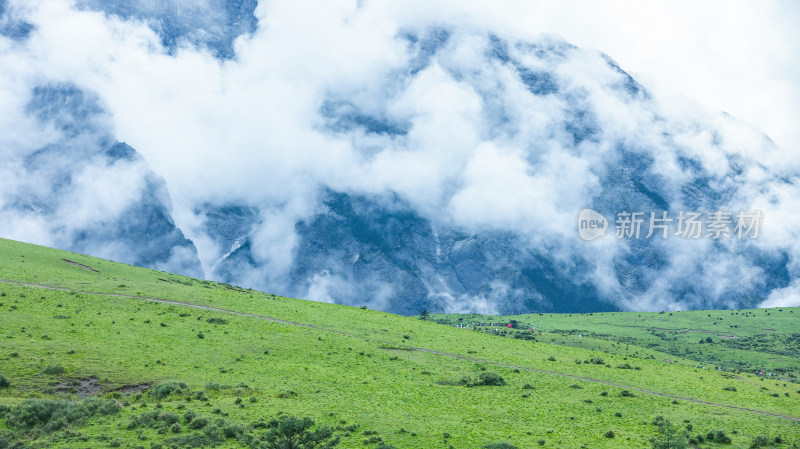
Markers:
{"x": 86, "y": 192}
{"x": 381, "y": 249}
{"x": 469, "y": 154}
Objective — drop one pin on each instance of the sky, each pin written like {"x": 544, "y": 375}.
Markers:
{"x": 250, "y": 130}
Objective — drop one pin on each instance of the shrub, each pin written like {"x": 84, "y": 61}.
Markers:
{"x": 669, "y": 437}
{"x": 168, "y": 418}
{"x": 760, "y": 441}
{"x": 299, "y": 433}
{"x": 4, "y": 382}
{"x": 198, "y": 423}
{"x": 165, "y": 389}
{"x": 189, "y": 415}
{"x": 626, "y": 394}
{"x": 729, "y": 388}
{"x": 217, "y": 321}
{"x": 212, "y": 432}
{"x": 54, "y": 369}
{"x": 491, "y": 379}
{"x": 718, "y": 437}
{"x": 610, "y": 434}
{"x": 55, "y": 415}
{"x": 625, "y": 365}
{"x": 232, "y": 430}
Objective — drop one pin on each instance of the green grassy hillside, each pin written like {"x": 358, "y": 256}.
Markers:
{"x": 100, "y": 354}
{"x": 755, "y": 341}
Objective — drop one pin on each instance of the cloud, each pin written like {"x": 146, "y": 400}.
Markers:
{"x": 435, "y": 102}
{"x": 784, "y": 297}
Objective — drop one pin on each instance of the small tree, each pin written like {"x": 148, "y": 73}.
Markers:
{"x": 289, "y": 432}
{"x": 668, "y": 437}
{"x": 424, "y": 315}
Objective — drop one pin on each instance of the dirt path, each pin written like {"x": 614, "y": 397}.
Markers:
{"x": 430, "y": 351}
{"x": 79, "y": 265}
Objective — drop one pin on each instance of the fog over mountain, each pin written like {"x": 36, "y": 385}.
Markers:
{"x": 370, "y": 154}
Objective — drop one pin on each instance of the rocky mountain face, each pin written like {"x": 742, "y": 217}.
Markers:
{"x": 380, "y": 249}
{"x": 212, "y": 24}
{"x": 559, "y": 129}
{"x": 88, "y": 193}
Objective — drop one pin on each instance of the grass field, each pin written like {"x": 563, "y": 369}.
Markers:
{"x": 151, "y": 359}
{"x": 755, "y": 341}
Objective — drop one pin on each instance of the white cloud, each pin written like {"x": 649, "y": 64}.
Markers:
{"x": 784, "y": 297}
{"x": 480, "y": 151}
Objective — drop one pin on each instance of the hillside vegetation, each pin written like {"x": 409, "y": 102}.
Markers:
{"x": 101, "y": 354}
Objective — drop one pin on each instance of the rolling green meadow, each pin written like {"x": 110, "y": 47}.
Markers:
{"x": 95, "y": 353}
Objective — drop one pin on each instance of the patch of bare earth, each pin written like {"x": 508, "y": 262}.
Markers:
{"x": 80, "y": 387}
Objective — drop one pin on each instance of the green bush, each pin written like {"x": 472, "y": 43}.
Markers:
{"x": 164, "y": 390}
{"x": 198, "y": 423}
{"x": 760, "y": 441}
{"x": 232, "y": 430}
{"x": 298, "y": 433}
{"x": 4, "y": 382}
{"x": 189, "y": 415}
{"x": 53, "y": 415}
{"x": 168, "y": 418}
{"x": 502, "y": 445}
{"x": 491, "y": 379}
{"x": 718, "y": 436}
{"x": 54, "y": 369}
{"x": 669, "y": 437}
